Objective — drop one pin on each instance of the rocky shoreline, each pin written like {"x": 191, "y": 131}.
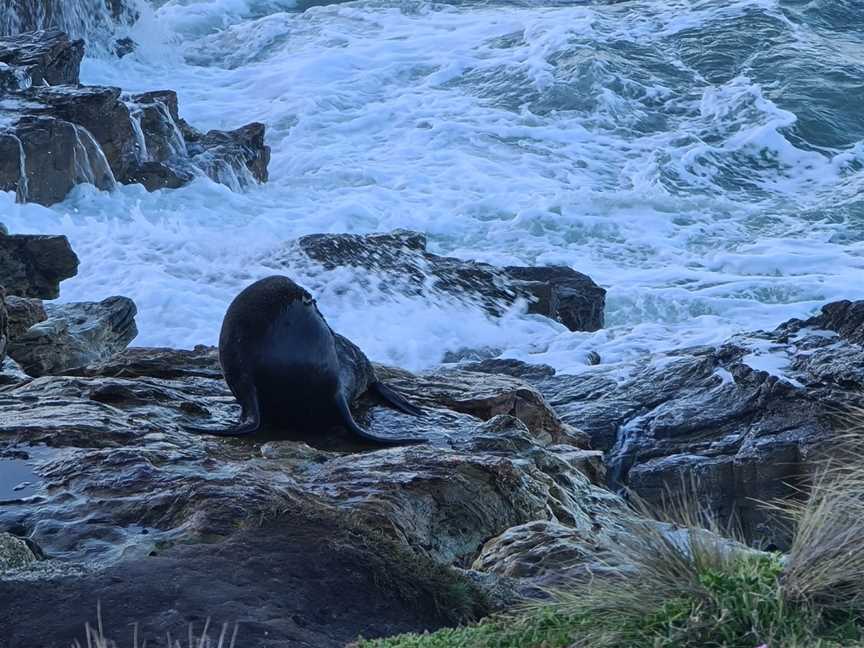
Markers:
{"x": 521, "y": 483}
{"x": 56, "y": 133}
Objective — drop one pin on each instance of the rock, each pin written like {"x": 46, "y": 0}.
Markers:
{"x": 56, "y": 136}
{"x": 23, "y": 313}
{"x": 14, "y": 553}
{"x": 43, "y": 57}
{"x": 486, "y": 396}
{"x": 4, "y": 325}
{"x": 95, "y": 20}
{"x": 123, "y": 47}
{"x": 399, "y": 262}
{"x": 122, "y": 438}
{"x": 34, "y": 265}
{"x": 712, "y": 420}
{"x": 310, "y": 578}
{"x": 75, "y": 335}
{"x": 563, "y": 294}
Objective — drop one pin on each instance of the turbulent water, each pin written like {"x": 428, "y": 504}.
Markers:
{"x": 700, "y": 159}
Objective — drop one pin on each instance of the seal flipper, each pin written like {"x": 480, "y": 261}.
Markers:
{"x": 394, "y": 398}
{"x": 250, "y": 418}
{"x": 348, "y": 421}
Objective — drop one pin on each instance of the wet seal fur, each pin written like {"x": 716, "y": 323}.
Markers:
{"x": 286, "y": 366}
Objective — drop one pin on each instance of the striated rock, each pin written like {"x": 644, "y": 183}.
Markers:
{"x": 23, "y": 313}
{"x": 739, "y": 424}
{"x": 41, "y": 57}
{"x": 399, "y": 262}
{"x": 56, "y": 134}
{"x": 75, "y": 335}
{"x": 34, "y": 265}
{"x": 486, "y": 396}
{"x": 4, "y": 325}
{"x": 14, "y": 553}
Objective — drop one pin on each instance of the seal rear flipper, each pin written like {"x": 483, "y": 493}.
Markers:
{"x": 348, "y": 421}
{"x": 244, "y": 428}
{"x": 395, "y": 399}
{"x": 250, "y": 417}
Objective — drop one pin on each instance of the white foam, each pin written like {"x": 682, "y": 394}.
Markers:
{"x": 510, "y": 134}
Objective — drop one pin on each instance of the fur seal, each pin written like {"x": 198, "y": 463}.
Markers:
{"x": 286, "y": 366}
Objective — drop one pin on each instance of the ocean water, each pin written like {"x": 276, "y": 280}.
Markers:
{"x": 700, "y": 159}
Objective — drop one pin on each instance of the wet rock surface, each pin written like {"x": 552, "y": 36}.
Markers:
{"x": 744, "y": 422}
{"x": 75, "y": 335}
{"x": 56, "y": 134}
{"x": 118, "y": 478}
{"x": 400, "y": 262}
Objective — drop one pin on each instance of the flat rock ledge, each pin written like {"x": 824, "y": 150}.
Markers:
{"x": 56, "y": 133}
{"x": 118, "y": 482}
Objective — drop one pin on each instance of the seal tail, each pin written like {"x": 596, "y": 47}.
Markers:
{"x": 349, "y": 422}
{"x": 395, "y": 399}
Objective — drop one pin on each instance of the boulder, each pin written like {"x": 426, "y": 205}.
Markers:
{"x": 75, "y": 335}
{"x": 23, "y": 313}
{"x": 738, "y": 424}
{"x": 398, "y": 262}
{"x": 34, "y": 265}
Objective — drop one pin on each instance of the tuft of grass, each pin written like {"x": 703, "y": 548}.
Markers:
{"x": 688, "y": 585}
{"x": 95, "y": 636}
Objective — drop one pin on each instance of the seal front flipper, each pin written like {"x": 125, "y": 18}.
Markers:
{"x": 348, "y": 421}
{"x": 394, "y": 398}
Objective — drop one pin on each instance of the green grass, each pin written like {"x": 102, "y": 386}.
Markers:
{"x": 706, "y": 591}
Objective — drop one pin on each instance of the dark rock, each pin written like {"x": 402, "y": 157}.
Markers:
{"x": 4, "y": 325}
{"x": 34, "y": 266}
{"x": 515, "y": 368}
{"x": 95, "y": 20}
{"x": 50, "y": 148}
{"x": 23, "y": 313}
{"x": 43, "y": 57}
{"x": 306, "y": 579}
{"x": 713, "y": 421}
{"x": 75, "y": 335}
{"x": 399, "y": 262}
{"x": 124, "y": 47}
{"x": 56, "y": 136}
{"x": 563, "y": 294}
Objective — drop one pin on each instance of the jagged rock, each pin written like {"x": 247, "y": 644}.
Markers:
{"x": 14, "y": 553}
{"x": 739, "y": 424}
{"x": 486, "y": 396}
{"x": 399, "y": 262}
{"x": 4, "y": 325}
{"x": 54, "y": 137}
{"x": 42, "y": 57}
{"x": 563, "y": 294}
{"x": 92, "y": 19}
{"x": 34, "y": 265}
{"x": 23, "y": 313}
{"x": 75, "y": 335}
